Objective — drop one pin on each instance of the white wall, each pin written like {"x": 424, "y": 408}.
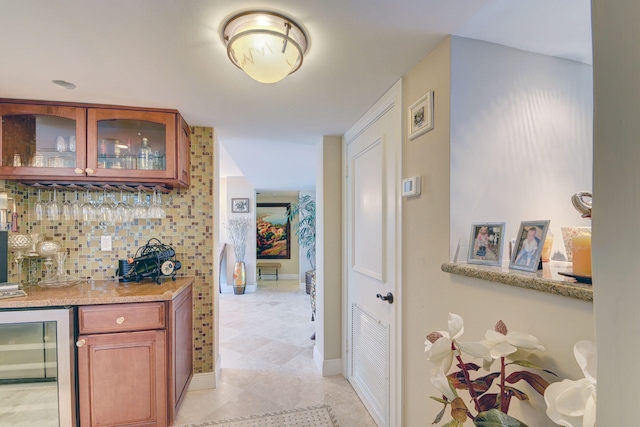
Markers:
{"x": 521, "y": 139}
{"x": 430, "y": 294}
{"x": 616, "y": 213}
{"x": 238, "y": 187}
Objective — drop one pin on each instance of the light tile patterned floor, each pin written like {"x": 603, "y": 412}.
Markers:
{"x": 267, "y": 361}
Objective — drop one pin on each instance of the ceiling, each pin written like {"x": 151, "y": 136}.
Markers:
{"x": 169, "y": 54}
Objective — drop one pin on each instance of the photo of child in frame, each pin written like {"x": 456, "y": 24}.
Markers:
{"x": 485, "y": 244}
{"x": 529, "y": 245}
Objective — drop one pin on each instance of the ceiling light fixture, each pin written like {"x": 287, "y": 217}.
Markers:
{"x": 265, "y": 45}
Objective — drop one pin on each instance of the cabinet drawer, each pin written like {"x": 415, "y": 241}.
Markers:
{"x": 121, "y": 317}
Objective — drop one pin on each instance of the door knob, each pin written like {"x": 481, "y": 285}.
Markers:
{"x": 388, "y": 298}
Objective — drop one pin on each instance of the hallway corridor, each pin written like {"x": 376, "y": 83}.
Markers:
{"x": 267, "y": 361}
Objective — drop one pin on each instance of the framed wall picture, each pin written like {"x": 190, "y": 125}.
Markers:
{"x": 421, "y": 115}
{"x": 486, "y": 243}
{"x": 239, "y": 205}
{"x": 528, "y": 247}
{"x": 273, "y": 231}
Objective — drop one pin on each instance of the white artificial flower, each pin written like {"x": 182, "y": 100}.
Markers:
{"x": 441, "y": 382}
{"x": 438, "y": 345}
{"x": 573, "y": 403}
{"x": 501, "y": 345}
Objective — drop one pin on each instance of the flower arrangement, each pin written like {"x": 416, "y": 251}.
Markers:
{"x": 490, "y": 406}
{"x": 238, "y": 228}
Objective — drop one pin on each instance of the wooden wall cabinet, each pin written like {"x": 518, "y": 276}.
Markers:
{"x": 135, "y": 362}
{"x": 67, "y": 142}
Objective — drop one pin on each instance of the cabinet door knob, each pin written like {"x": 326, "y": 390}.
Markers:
{"x": 89, "y": 170}
{"x": 120, "y": 320}
{"x": 79, "y": 171}
{"x": 80, "y": 343}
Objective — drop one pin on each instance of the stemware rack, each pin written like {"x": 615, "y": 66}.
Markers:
{"x": 99, "y": 187}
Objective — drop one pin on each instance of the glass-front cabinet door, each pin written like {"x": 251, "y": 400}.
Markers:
{"x": 42, "y": 141}
{"x": 127, "y": 145}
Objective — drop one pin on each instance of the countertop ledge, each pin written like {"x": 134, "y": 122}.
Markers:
{"x": 95, "y": 292}
{"x": 548, "y": 280}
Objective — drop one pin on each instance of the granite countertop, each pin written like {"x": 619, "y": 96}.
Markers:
{"x": 547, "y": 280}
{"x": 93, "y": 292}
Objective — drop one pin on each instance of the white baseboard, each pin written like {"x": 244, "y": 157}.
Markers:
{"x": 203, "y": 381}
{"x": 327, "y": 367}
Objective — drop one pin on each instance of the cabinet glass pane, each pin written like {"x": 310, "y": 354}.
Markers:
{"x": 131, "y": 144}
{"x": 38, "y": 141}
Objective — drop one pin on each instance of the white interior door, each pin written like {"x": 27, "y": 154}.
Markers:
{"x": 373, "y": 361}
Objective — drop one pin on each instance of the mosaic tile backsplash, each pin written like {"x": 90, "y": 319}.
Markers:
{"x": 188, "y": 228}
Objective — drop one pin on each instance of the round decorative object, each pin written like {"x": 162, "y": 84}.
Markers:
{"x": 48, "y": 248}
{"x": 167, "y": 267}
{"x": 19, "y": 242}
{"x": 583, "y": 202}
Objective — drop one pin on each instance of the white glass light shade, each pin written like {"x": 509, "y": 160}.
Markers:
{"x": 265, "y": 45}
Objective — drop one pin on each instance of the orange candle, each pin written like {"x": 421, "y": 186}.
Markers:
{"x": 546, "y": 247}
{"x": 581, "y": 248}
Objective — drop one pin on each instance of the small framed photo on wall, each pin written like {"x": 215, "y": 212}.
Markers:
{"x": 529, "y": 242}
{"x": 485, "y": 243}
{"x": 421, "y": 115}
{"x": 239, "y": 205}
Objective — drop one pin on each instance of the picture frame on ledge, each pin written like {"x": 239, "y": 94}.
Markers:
{"x": 421, "y": 115}
{"x": 239, "y": 205}
{"x": 486, "y": 243}
{"x": 529, "y": 242}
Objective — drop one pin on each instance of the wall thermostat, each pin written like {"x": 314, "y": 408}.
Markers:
{"x": 411, "y": 186}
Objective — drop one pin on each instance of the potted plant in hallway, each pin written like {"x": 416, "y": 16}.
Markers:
{"x": 305, "y": 210}
{"x": 238, "y": 229}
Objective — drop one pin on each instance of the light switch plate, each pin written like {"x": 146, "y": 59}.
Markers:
{"x": 105, "y": 243}
{"x": 411, "y": 186}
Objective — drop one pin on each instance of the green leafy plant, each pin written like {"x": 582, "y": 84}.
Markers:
{"x": 305, "y": 228}
{"x": 489, "y": 405}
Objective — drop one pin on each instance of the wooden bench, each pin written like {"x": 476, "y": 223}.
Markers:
{"x": 268, "y": 266}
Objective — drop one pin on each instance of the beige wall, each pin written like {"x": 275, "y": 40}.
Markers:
{"x": 327, "y": 352}
{"x": 617, "y": 206}
{"x": 430, "y": 294}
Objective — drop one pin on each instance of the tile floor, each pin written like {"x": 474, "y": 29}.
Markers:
{"x": 267, "y": 361}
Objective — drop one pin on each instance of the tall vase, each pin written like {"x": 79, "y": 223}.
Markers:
{"x": 239, "y": 278}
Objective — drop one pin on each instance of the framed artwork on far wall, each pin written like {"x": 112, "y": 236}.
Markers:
{"x": 239, "y": 205}
{"x": 529, "y": 242}
{"x": 421, "y": 115}
{"x": 486, "y": 243}
{"x": 273, "y": 231}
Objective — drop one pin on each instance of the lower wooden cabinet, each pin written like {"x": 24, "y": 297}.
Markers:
{"x": 122, "y": 378}
{"x": 135, "y": 362}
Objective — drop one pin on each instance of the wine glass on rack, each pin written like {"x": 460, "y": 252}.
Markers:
{"x": 67, "y": 208}
{"x": 123, "y": 210}
{"x": 39, "y": 207}
{"x": 88, "y": 213}
{"x": 53, "y": 210}
{"x": 105, "y": 212}
{"x": 76, "y": 207}
{"x": 140, "y": 209}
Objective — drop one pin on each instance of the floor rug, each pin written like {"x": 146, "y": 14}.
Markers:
{"x": 313, "y": 416}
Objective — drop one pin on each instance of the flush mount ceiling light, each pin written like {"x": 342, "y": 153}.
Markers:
{"x": 265, "y": 45}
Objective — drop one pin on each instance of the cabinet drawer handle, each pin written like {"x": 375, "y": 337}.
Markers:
{"x": 79, "y": 171}
{"x": 89, "y": 170}
{"x": 120, "y": 320}
{"x": 80, "y": 343}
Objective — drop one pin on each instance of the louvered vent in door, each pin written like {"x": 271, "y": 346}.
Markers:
{"x": 370, "y": 359}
